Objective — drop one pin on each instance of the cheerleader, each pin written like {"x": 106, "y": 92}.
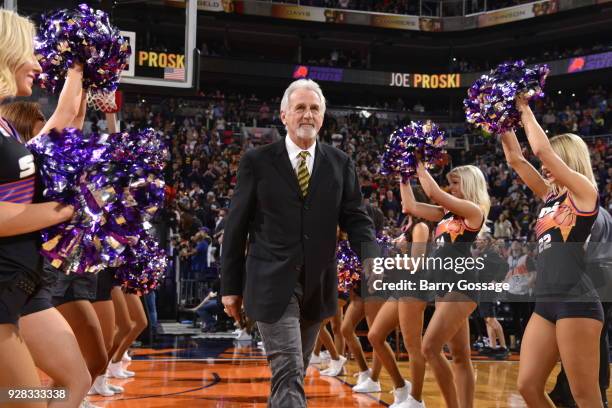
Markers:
{"x": 105, "y": 310}
{"x": 335, "y": 346}
{"x": 123, "y": 325}
{"x": 460, "y": 215}
{"x": 367, "y": 379}
{"x": 131, "y": 321}
{"x": 20, "y": 219}
{"x": 72, "y": 295}
{"x": 560, "y": 326}
{"x": 407, "y": 311}
{"x": 48, "y": 336}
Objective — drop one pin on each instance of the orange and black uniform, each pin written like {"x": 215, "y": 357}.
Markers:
{"x": 454, "y": 239}
{"x": 563, "y": 289}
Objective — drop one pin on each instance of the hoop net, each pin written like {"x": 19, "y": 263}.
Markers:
{"x": 107, "y": 102}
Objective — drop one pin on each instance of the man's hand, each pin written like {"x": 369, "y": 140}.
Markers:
{"x": 232, "y": 305}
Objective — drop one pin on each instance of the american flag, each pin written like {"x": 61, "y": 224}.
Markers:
{"x": 174, "y": 73}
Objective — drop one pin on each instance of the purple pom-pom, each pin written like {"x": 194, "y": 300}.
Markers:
{"x": 348, "y": 267}
{"x": 114, "y": 199}
{"x": 491, "y": 101}
{"x": 145, "y": 268}
{"x": 408, "y": 145}
{"x": 82, "y": 35}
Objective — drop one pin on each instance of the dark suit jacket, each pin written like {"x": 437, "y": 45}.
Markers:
{"x": 286, "y": 232}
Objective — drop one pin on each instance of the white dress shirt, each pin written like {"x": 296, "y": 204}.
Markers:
{"x": 294, "y": 151}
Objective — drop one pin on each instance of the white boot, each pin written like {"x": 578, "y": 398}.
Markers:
{"x": 411, "y": 403}
{"x": 126, "y": 357}
{"x": 365, "y": 383}
{"x": 115, "y": 370}
{"x": 314, "y": 359}
{"x": 336, "y": 367}
{"x": 117, "y": 389}
{"x": 100, "y": 387}
{"x": 400, "y": 395}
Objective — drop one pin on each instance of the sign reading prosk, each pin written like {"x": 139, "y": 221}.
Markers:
{"x": 160, "y": 59}
{"x": 432, "y": 81}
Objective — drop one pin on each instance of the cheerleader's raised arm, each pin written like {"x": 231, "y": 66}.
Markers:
{"x": 583, "y": 190}
{"x": 469, "y": 210}
{"x": 413, "y": 207}
{"x": 527, "y": 173}
{"x": 69, "y": 102}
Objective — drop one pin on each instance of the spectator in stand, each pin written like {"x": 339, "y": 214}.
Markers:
{"x": 209, "y": 309}
{"x": 264, "y": 115}
{"x": 524, "y": 223}
{"x": 199, "y": 258}
{"x": 502, "y": 229}
{"x": 390, "y": 206}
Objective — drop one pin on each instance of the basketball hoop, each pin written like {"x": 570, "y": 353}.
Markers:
{"x": 107, "y": 102}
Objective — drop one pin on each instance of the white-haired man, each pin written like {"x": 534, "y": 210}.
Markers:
{"x": 289, "y": 198}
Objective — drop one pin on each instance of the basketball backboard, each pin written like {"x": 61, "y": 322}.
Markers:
{"x": 162, "y": 36}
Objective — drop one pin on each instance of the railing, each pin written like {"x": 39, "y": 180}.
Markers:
{"x": 607, "y": 138}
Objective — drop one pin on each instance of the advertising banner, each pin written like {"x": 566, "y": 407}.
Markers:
{"x": 390, "y": 79}
{"x": 517, "y": 13}
{"x": 393, "y": 21}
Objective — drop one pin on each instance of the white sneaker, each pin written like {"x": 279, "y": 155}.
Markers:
{"x": 126, "y": 357}
{"x": 87, "y": 404}
{"x": 362, "y": 375}
{"x": 100, "y": 387}
{"x": 117, "y": 389}
{"x": 115, "y": 370}
{"x": 325, "y": 355}
{"x": 401, "y": 394}
{"x": 367, "y": 385}
{"x": 129, "y": 373}
{"x": 314, "y": 359}
{"x": 336, "y": 367}
{"x": 411, "y": 403}
{"x": 243, "y": 335}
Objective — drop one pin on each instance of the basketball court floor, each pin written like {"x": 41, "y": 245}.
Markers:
{"x": 184, "y": 370}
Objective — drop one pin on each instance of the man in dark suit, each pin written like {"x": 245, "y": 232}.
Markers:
{"x": 289, "y": 198}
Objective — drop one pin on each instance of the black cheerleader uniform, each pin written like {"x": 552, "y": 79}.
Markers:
{"x": 453, "y": 241}
{"x": 563, "y": 289}
{"x": 106, "y": 281}
{"x": 20, "y": 261}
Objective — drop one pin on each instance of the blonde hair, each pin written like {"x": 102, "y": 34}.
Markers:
{"x": 473, "y": 186}
{"x": 23, "y": 116}
{"x": 16, "y": 48}
{"x": 575, "y": 153}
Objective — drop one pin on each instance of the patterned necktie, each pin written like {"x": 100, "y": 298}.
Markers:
{"x": 302, "y": 173}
